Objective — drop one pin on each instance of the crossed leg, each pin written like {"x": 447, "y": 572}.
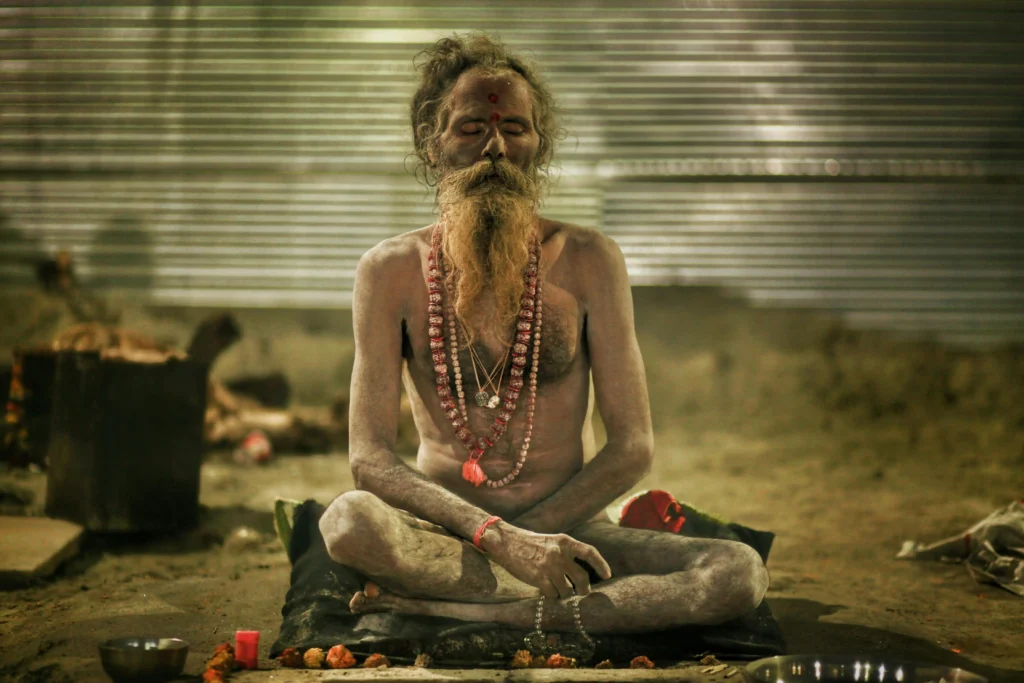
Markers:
{"x": 659, "y": 580}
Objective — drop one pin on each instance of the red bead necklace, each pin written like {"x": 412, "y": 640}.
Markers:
{"x": 528, "y": 325}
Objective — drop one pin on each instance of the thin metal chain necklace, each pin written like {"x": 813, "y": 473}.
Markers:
{"x": 483, "y": 399}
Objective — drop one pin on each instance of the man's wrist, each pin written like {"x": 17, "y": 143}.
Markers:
{"x": 495, "y": 536}
{"x": 493, "y": 519}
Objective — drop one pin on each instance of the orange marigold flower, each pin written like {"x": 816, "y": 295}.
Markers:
{"x": 641, "y": 662}
{"x": 376, "y": 661}
{"x": 338, "y": 657}
{"x": 522, "y": 659}
{"x": 291, "y": 658}
{"x": 223, "y": 659}
{"x": 314, "y": 658}
{"x": 557, "y": 661}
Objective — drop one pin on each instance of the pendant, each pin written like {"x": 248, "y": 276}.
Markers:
{"x": 482, "y": 398}
{"x": 493, "y": 403}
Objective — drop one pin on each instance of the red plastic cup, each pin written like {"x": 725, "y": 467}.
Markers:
{"x": 247, "y": 647}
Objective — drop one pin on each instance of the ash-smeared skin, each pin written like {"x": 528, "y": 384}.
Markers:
{"x": 660, "y": 579}
{"x": 663, "y": 581}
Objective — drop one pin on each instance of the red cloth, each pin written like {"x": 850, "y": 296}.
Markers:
{"x": 656, "y": 510}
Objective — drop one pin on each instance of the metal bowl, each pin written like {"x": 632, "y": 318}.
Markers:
{"x": 854, "y": 669}
{"x": 143, "y": 660}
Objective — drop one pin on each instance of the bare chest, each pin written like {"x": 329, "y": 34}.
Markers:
{"x": 488, "y": 358}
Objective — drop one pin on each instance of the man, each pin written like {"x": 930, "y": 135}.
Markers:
{"x": 499, "y": 317}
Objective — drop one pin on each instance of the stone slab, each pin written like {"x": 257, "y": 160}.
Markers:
{"x": 31, "y": 547}
{"x": 691, "y": 674}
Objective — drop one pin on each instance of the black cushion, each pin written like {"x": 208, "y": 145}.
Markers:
{"x": 316, "y": 614}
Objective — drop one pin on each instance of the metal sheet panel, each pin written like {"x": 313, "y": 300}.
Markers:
{"x": 859, "y": 156}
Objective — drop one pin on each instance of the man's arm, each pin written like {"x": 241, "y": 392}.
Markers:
{"x": 620, "y": 385}
{"x": 541, "y": 560}
{"x": 380, "y": 287}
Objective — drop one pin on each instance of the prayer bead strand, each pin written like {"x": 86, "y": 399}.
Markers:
{"x": 537, "y": 644}
{"x": 531, "y": 401}
{"x": 528, "y": 324}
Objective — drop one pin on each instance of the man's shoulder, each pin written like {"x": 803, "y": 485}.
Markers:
{"x": 585, "y": 245}
{"x": 396, "y": 254}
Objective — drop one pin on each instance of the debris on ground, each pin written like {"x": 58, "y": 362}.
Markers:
{"x": 709, "y": 660}
{"x": 255, "y": 449}
{"x": 14, "y": 499}
{"x": 376, "y": 661}
{"x": 339, "y": 657}
{"x": 314, "y": 658}
{"x": 993, "y": 549}
{"x": 539, "y": 662}
{"x": 641, "y": 662}
{"x": 423, "y": 661}
{"x": 606, "y": 664}
{"x": 242, "y": 539}
{"x": 291, "y": 658}
{"x": 715, "y": 669}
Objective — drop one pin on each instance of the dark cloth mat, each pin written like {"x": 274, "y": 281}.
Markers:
{"x": 316, "y": 614}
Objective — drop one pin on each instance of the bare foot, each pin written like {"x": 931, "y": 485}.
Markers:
{"x": 373, "y": 599}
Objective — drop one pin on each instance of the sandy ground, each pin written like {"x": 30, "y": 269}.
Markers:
{"x": 753, "y": 422}
{"x": 836, "y": 587}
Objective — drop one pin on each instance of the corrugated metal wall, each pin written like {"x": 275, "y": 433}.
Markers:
{"x": 861, "y": 156}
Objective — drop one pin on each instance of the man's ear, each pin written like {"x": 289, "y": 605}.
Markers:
{"x": 434, "y": 154}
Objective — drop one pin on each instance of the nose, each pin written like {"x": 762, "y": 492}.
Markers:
{"x": 495, "y": 147}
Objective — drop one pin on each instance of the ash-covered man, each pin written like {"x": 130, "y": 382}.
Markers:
{"x": 494, "y": 319}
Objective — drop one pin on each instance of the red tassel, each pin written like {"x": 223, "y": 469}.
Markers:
{"x": 472, "y": 472}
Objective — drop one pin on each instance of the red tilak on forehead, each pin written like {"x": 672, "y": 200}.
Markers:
{"x": 492, "y": 98}
{"x": 494, "y": 117}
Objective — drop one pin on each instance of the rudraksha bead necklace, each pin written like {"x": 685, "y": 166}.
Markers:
{"x": 528, "y": 327}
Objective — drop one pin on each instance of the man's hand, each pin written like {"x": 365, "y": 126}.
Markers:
{"x": 547, "y": 561}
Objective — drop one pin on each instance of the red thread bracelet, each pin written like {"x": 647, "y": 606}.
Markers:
{"x": 483, "y": 527}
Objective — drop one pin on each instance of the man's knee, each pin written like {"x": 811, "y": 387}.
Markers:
{"x": 351, "y": 524}
{"x": 742, "y": 584}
